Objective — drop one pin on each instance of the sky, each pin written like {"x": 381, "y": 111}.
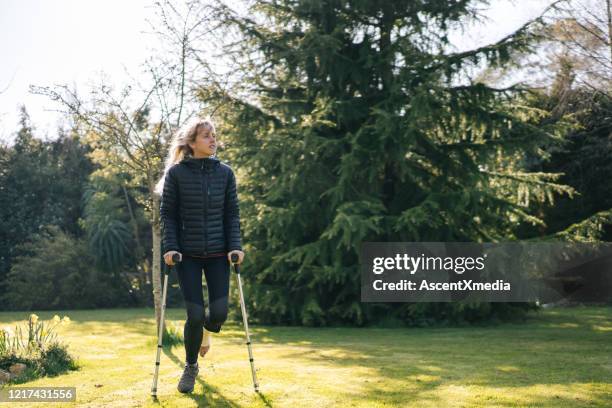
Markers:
{"x": 46, "y": 43}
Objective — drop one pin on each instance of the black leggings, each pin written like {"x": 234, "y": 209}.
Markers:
{"x": 217, "y": 272}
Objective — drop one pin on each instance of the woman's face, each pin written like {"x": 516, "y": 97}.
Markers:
{"x": 205, "y": 143}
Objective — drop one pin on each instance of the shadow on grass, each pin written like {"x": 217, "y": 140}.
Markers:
{"x": 211, "y": 395}
{"x": 419, "y": 363}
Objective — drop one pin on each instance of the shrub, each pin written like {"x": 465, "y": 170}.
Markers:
{"x": 55, "y": 271}
{"x": 37, "y": 347}
{"x": 56, "y": 360}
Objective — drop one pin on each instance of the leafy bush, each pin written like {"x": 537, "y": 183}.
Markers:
{"x": 54, "y": 271}
{"x": 56, "y": 360}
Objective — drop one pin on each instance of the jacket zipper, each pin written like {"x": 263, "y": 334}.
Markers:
{"x": 206, "y": 214}
{"x": 205, "y": 179}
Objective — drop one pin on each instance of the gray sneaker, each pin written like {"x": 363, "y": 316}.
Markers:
{"x": 187, "y": 380}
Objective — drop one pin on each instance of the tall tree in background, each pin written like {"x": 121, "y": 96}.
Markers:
{"x": 41, "y": 183}
{"x": 577, "y": 66}
{"x": 582, "y": 38}
{"x": 362, "y": 126}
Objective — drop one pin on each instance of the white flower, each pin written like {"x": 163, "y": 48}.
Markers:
{"x": 7, "y": 331}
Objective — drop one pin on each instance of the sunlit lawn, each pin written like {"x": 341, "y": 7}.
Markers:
{"x": 560, "y": 357}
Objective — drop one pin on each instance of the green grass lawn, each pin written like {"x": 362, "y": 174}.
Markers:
{"x": 559, "y": 357}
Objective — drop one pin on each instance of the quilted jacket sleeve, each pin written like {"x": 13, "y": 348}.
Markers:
{"x": 169, "y": 213}
{"x": 231, "y": 214}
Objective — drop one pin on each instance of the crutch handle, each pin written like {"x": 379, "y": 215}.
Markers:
{"x": 176, "y": 258}
{"x": 234, "y": 258}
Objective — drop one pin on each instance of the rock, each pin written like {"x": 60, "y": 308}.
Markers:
{"x": 17, "y": 369}
{"x": 5, "y": 376}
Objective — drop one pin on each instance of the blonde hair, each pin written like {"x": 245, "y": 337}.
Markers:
{"x": 179, "y": 146}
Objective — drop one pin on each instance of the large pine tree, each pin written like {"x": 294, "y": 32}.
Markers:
{"x": 361, "y": 125}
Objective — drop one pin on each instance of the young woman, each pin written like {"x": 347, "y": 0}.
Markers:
{"x": 200, "y": 221}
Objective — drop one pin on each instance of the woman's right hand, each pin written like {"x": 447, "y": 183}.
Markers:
{"x": 168, "y": 257}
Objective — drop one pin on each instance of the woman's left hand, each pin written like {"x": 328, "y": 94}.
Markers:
{"x": 240, "y": 256}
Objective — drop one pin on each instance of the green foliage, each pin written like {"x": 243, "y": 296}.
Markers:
{"x": 365, "y": 128}
{"x": 51, "y": 361}
{"x": 38, "y": 347}
{"x": 114, "y": 221}
{"x": 584, "y": 162}
{"x": 54, "y": 183}
{"x": 108, "y": 235}
{"x": 110, "y": 239}
{"x": 41, "y": 183}
{"x": 461, "y": 313}
{"x": 173, "y": 334}
{"x": 54, "y": 270}
{"x": 56, "y": 360}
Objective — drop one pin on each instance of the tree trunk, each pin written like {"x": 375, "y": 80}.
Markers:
{"x": 609, "y": 9}
{"x": 156, "y": 270}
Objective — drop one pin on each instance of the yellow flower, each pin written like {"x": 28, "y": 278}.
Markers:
{"x": 66, "y": 320}
{"x": 33, "y": 318}
{"x": 56, "y": 319}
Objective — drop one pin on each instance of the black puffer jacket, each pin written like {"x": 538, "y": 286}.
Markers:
{"x": 199, "y": 208}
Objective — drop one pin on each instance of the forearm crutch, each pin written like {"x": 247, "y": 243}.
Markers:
{"x": 176, "y": 258}
{"x": 244, "y": 320}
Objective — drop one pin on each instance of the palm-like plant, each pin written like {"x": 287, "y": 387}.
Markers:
{"x": 109, "y": 236}
{"x": 109, "y": 240}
